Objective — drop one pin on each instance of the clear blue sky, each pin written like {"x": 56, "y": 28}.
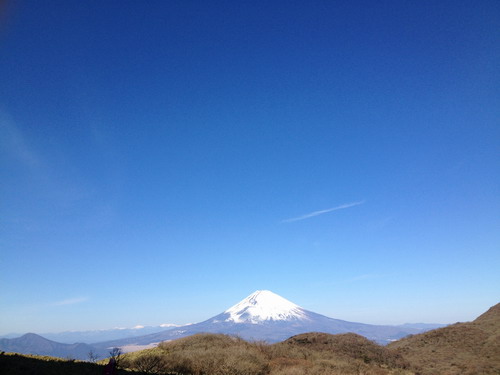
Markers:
{"x": 161, "y": 160}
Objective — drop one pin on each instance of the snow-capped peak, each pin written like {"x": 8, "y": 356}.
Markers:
{"x": 264, "y": 305}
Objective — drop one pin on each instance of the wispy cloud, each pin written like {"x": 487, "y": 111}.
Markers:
{"x": 70, "y": 301}
{"x": 321, "y": 212}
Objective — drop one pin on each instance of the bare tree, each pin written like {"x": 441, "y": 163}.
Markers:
{"x": 93, "y": 357}
{"x": 149, "y": 363}
{"x": 115, "y": 355}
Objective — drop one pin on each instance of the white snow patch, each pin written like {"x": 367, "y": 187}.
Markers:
{"x": 264, "y": 305}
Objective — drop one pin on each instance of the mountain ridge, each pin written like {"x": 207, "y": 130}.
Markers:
{"x": 31, "y": 343}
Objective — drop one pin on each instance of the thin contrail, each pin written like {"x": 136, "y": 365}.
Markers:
{"x": 321, "y": 212}
{"x": 70, "y": 301}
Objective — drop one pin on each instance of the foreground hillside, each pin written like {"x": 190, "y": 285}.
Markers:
{"x": 23, "y": 364}
{"x": 311, "y": 354}
{"x": 462, "y": 348}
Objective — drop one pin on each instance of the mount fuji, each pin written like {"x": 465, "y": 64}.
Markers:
{"x": 264, "y": 315}
{"x": 262, "y": 306}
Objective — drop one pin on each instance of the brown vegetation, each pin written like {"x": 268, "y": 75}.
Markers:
{"x": 307, "y": 354}
{"x": 349, "y": 346}
{"x": 22, "y": 364}
{"x": 462, "y": 348}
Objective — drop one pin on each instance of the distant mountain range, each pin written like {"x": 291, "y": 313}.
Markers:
{"x": 263, "y": 315}
{"x": 31, "y": 343}
{"x": 98, "y": 335}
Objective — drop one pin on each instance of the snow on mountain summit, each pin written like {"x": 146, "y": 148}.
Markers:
{"x": 264, "y": 305}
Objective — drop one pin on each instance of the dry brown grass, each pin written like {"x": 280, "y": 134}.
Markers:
{"x": 308, "y": 354}
{"x": 349, "y": 346}
{"x": 462, "y": 348}
{"x": 23, "y": 364}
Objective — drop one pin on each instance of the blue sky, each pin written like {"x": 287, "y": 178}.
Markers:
{"x": 161, "y": 160}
